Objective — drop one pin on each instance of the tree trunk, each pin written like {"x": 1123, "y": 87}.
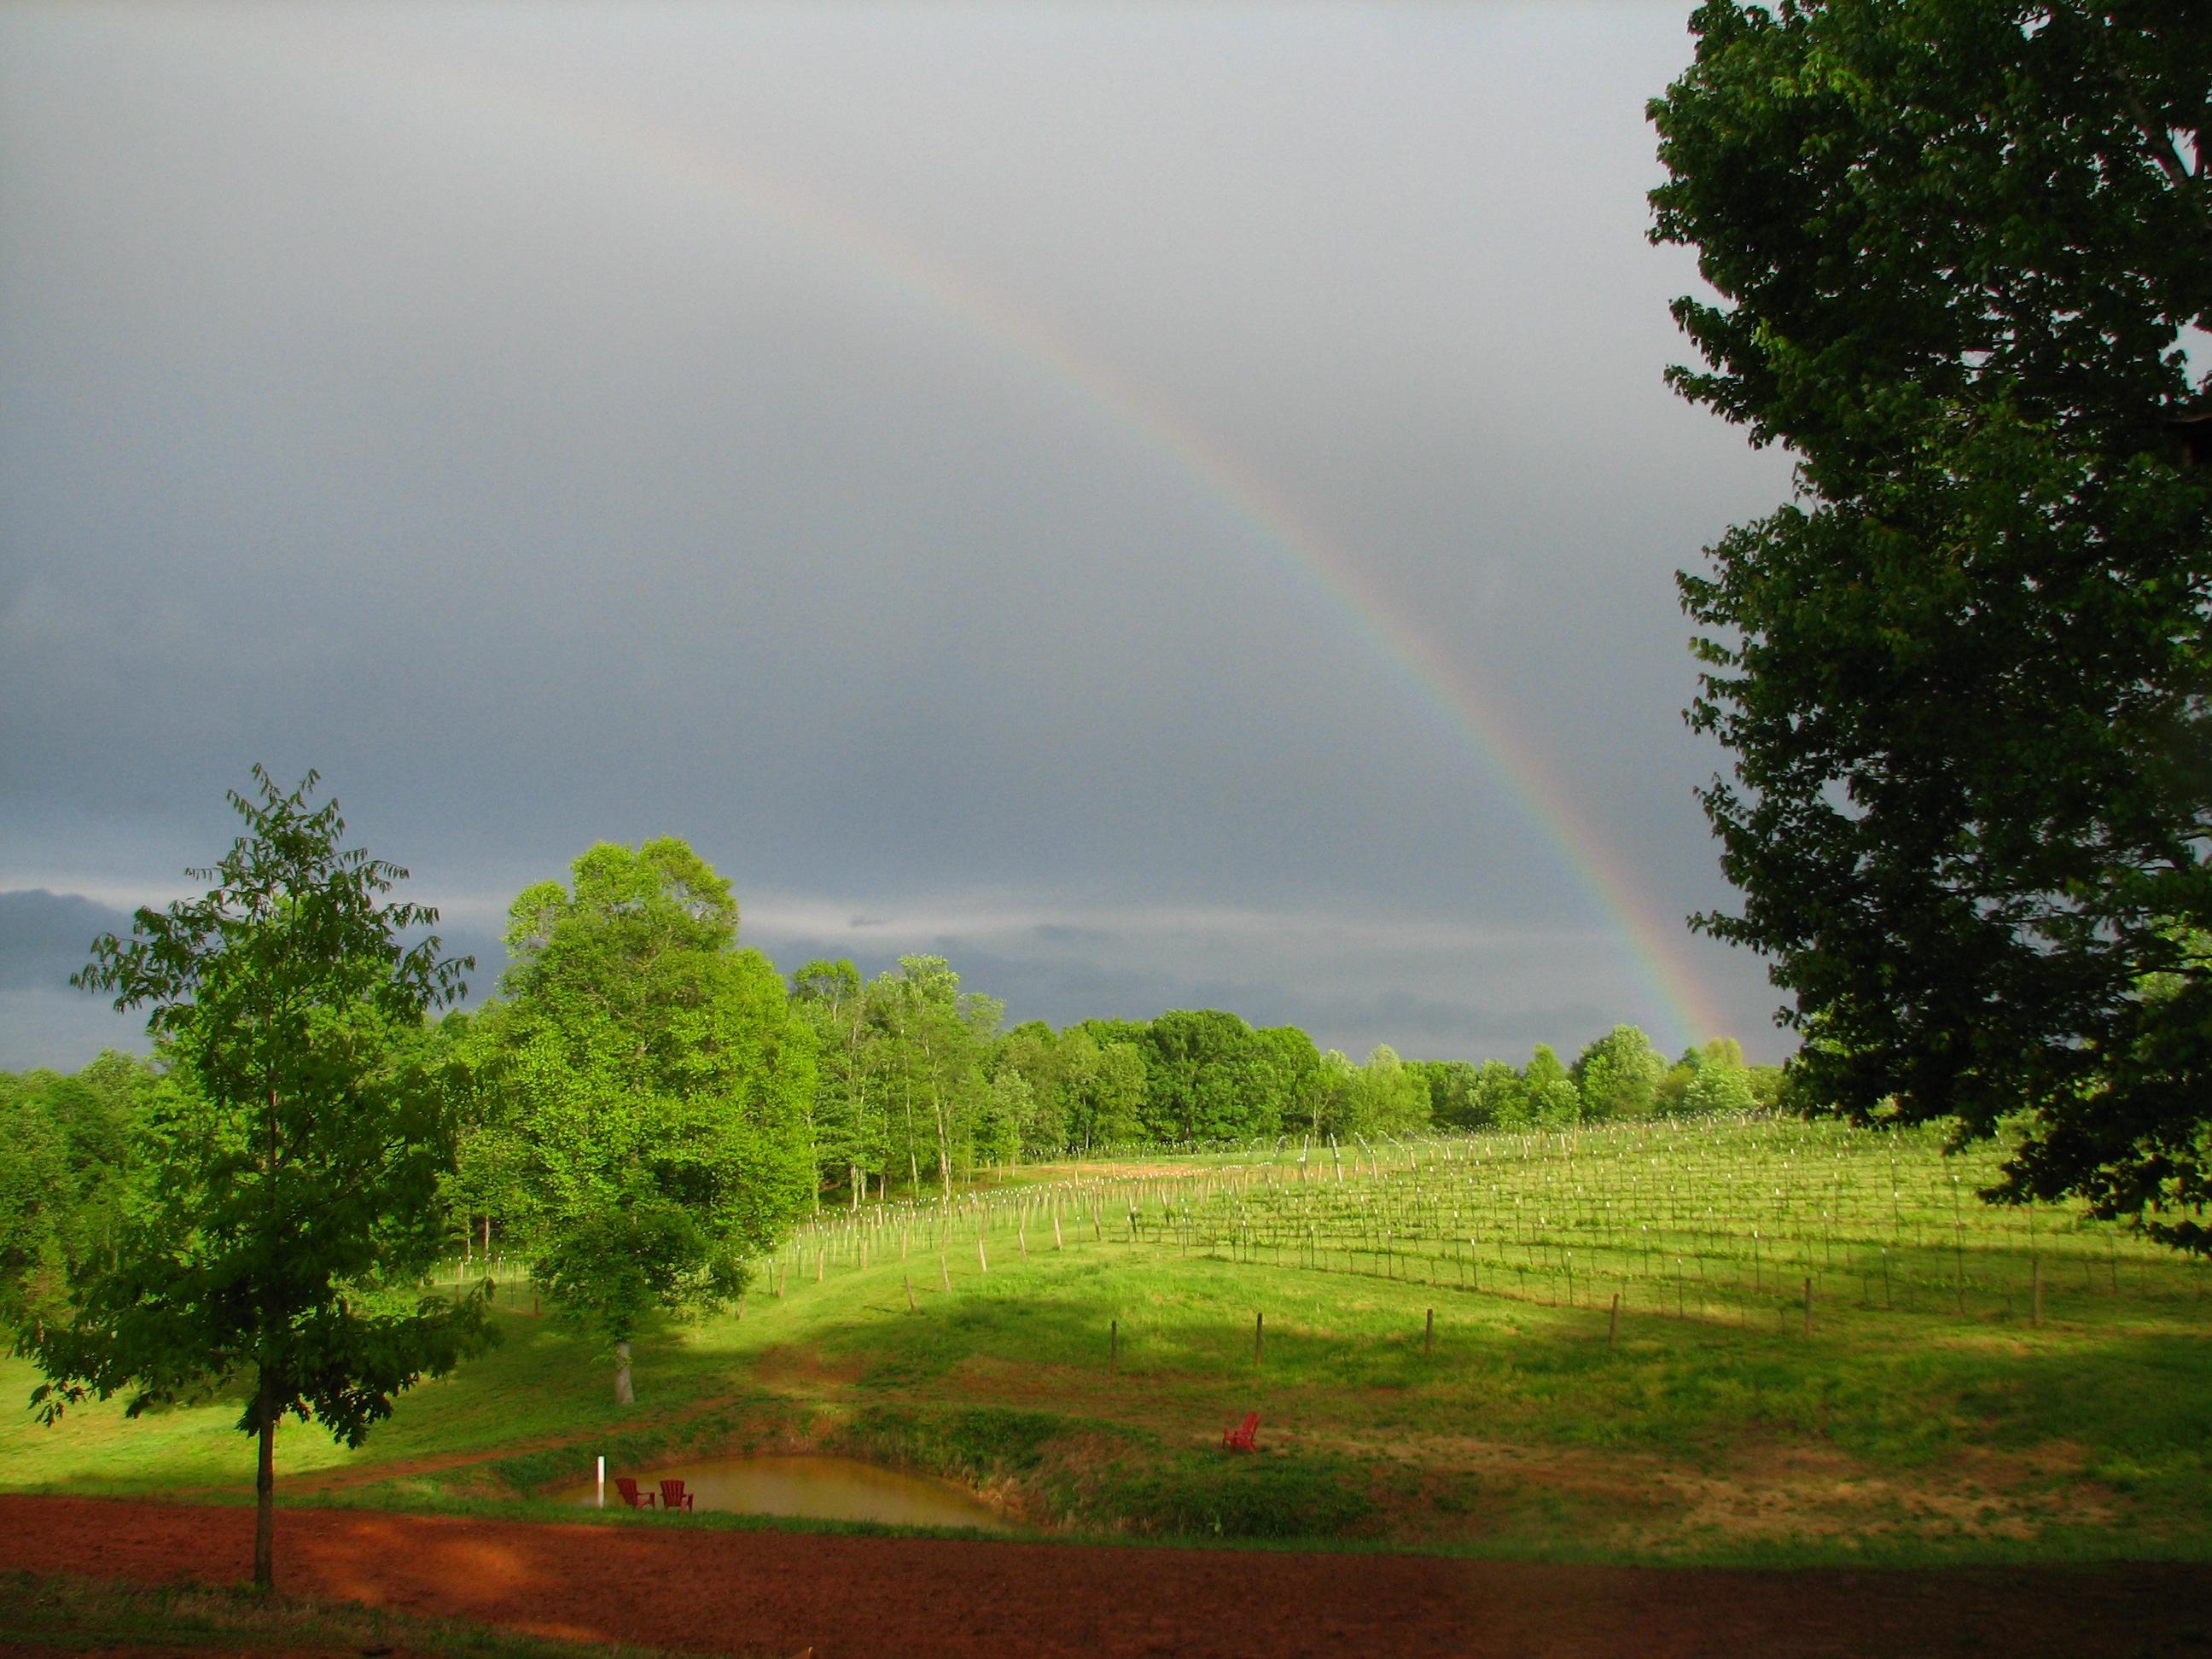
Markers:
{"x": 944, "y": 1144}
{"x": 623, "y": 1394}
{"x": 264, "y": 1485}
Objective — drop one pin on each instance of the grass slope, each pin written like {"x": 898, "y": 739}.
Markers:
{"x": 1925, "y": 1416}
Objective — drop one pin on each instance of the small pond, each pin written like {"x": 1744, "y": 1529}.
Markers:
{"x": 823, "y": 1488}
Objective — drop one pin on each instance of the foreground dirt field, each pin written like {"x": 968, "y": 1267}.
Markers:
{"x": 784, "y": 1593}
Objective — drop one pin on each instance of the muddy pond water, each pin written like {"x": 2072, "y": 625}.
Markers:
{"x": 822, "y": 1488}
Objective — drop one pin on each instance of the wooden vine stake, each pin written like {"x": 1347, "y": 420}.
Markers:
{"x": 910, "y": 1308}
{"x": 1808, "y": 1307}
{"x": 1259, "y": 1338}
{"x": 1113, "y": 1346}
{"x": 1612, "y": 1321}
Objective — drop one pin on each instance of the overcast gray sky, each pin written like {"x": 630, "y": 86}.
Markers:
{"x": 1165, "y": 506}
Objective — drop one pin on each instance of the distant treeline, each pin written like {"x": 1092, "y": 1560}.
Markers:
{"x": 72, "y": 1155}
{"x": 902, "y": 1083}
{"x": 917, "y": 1083}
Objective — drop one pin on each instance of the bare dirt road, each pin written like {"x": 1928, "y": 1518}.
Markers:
{"x": 673, "y": 1585}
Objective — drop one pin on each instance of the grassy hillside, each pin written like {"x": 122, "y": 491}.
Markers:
{"x": 1922, "y": 1413}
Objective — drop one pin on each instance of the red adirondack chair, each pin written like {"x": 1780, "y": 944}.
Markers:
{"x": 1240, "y": 1438}
{"x": 631, "y": 1495}
{"x": 673, "y": 1497}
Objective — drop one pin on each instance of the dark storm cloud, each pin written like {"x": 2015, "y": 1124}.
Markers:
{"x": 770, "y": 426}
{"x": 46, "y": 937}
{"x": 1060, "y": 932}
{"x": 1352, "y": 987}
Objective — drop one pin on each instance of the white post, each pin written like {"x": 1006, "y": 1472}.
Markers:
{"x": 602, "y": 1483}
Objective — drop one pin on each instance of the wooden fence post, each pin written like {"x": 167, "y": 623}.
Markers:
{"x": 2037, "y": 1313}
{"x": 1429, "y": 1334}
{"x": 983, "y": 1260}
{"x": 910, "y": 1294}
{"x": 1259, "y": 1338}
{"x": 1613, "y": 1322}
{"x": 1113, "y": 1347}
{"x": 1808, "y": 1307}
{"x": 945, "y": 1270}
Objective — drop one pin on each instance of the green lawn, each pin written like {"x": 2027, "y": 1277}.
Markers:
{"x": 1928, "y": 1419}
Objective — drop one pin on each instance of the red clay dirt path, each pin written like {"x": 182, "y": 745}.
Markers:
{"x": 843, "y": 1596}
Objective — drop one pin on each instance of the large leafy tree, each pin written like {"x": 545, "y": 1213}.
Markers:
{"x": 937, "y": 1090}
{"x": 1211, "y": 1077}
{"x": 845, "y": 1126}
{"x": 1552, "y": 1100}
{"x": 1104, "y": 1076}
{"x": 1618, "y": 1075}
{"x": 1965, "y": 674}
{"x": 650, "y": 1086}
{"x": 294, "y": 1161}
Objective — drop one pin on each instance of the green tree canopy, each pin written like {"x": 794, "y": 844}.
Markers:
{"x": 845, "y": 1124}
{"x": 1498, "y": 1097}
{"x": 1618, "y": 1075}
{"x": 1194, "y": 1060}
{"x": 1393, "y": 1099}
{"x": 1964, "y": 676}
{"x": 73, "y": 1162}
{"x": 1107, "y": 1082}
{"x": 654, "y": 1084}
{"x": 295, "y": 1166}
{"x": 1553, "y": 1102}
{"x": 1450, "y": 1084}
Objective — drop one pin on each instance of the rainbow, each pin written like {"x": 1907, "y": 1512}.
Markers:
{"x": 1655, "y": 945}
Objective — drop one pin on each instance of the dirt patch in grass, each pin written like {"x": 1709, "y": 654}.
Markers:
{"x": 1810, "y": 1491}
{"x": 1459, "y": 1489}
{"x": 793, "y": 1368}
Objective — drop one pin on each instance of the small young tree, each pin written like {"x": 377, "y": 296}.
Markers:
{"x": 296, "y": 1163}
